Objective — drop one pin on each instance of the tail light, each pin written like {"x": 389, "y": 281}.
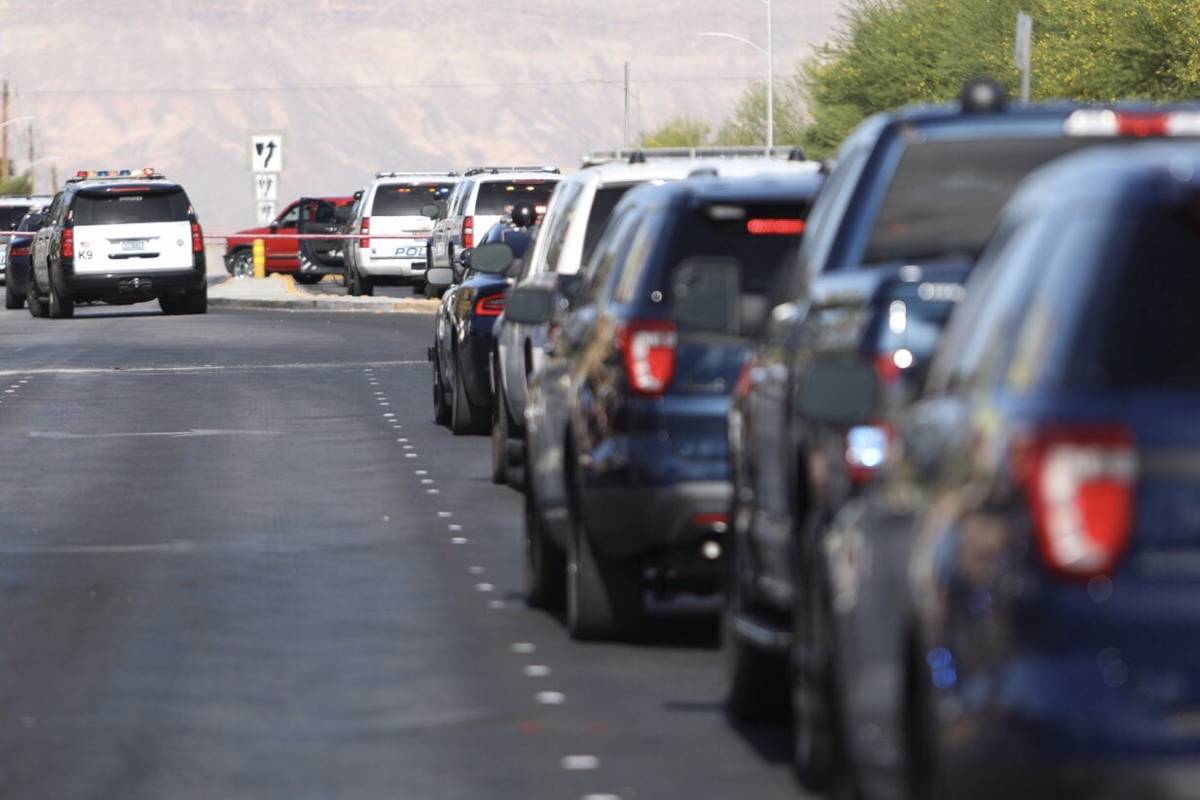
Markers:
{"x": 490, "y": 306}
{"x": 197, "y": 238}
{"x": 649, "y": 351}
{"x": 66, "y": 243}
{"x": 1079, "y": 481}
{"x": 20, "y": 250}
{"x": 866, "y": 451}
{"x": 365, "y": 230}
{"x": 745, "y": 380}
{"x": 468, "y": 232}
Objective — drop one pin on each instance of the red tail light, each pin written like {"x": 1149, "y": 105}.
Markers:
{"x": 490, "y": 306}
{"x": 22, "y": 250}
{"x": 1080, "y": 482}
{"x": 866, "y": 451}
{"x": 66, "y": 243}
{"x": 197, "y": 238}
{"x": 745, "y": 381}
{"x": 649, "y": 350}
{"x": 1141, "y": 126}
{"x": 468, "y": 233}
{"x": 365, "y": 230}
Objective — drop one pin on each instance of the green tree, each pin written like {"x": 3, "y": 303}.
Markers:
{"x": 747, "y": 123}
{"x": 678, "y": 132}
{"x": 17, "y": 185}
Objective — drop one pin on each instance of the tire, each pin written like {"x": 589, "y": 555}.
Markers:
{"x": 545, "y": 563}
{"x": 307, "y": 279}
{"x": 465, "y": 417}
{"x": 12, "y": 300}
{"x": 441, "y": 409}
{"x": 60, "y": 307}
{"x": 604, "y": 595}
{"x": 758, "y": 680}
{"x": 366, "y": 285}
{"x": 242, "y": 264}
{"x": 37, "y": 306}
{"x": 499, "y": 433}
{"x": 817, "y": 754}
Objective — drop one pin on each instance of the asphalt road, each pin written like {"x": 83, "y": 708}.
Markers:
{"x": 239, "y": 561}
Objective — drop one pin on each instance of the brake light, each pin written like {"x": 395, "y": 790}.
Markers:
{"x": 1141, "y": 125}
{"x": 66, "y": 243}
{"x": 1079, "y": 481}
{"x": 1105, "y": 122}
{"x": 490, "y": 306}
{"x": 22, "y": 250}
{"x": 866, "y": 451}
{"x": 745, "y": 380}
{"x": 468, "y": 232}
{"x": 197, "y": 238}
{"x": 775, "y": 227}
{"x": 365, "y": 230}
{"x": 649, "y": 350}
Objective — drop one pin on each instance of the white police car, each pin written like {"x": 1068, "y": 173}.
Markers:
{"x": 118, "y": 237}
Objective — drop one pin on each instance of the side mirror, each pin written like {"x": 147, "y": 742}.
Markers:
{"x": 274, "y": 226}
{"x": 530, "y": 305}
{"x": 569, "y": 285}
{"x": 465, "y": 260}
{"x": 493, "y": 258}
{"x": 439, "y": 277}
{"x": 839, "y": 392}
{"x": 432, "y": 210}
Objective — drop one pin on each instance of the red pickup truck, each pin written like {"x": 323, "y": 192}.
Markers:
{"x": 287, "y": 254}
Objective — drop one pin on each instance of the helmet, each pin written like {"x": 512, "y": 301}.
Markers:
{"x": 524, "y": 215}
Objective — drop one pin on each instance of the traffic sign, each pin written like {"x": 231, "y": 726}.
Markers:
{"x": 266, "y": 212}
{"x": 266, "y": 187}
{"x": 266, "y": 152}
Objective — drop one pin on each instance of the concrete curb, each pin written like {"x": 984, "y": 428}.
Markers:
{"x": 299, "y": 300}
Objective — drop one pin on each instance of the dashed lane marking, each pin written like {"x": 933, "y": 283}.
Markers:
{"x": 580, "y": 762}
{"x": 550, "y": 698}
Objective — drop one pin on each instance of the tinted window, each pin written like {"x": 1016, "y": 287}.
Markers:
{"x": 558, "y": 226}
{"x": 32, "y": 222}
{"x": 605, "y": 201}
{"x": 10, "y": 217}
{"x": 406, "y": 201}
{"x": 1145, "y": 326}
{"x": 131, "y": 207}
{"x": 945, "y": 196}
{"x": 498, "y": 197}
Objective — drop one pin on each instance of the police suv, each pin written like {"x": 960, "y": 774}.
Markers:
{"x": 118, "y": 237}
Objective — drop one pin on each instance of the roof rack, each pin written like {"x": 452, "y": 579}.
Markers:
{"x": 498, "y": 170}
{"x": 639, "y": 155}
{"x": 447, "y": 174}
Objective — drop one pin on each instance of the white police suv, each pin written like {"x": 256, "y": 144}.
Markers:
{"x": 118, "y": 237}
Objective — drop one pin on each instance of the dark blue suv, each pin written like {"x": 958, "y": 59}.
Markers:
{"x": 1014, "y": 605}
{"x": 627, "y": 449}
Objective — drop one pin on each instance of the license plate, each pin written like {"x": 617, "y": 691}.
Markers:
{"x": 133, "y": 246}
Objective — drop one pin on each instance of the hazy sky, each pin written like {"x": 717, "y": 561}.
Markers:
{"x": 360, "y": 85}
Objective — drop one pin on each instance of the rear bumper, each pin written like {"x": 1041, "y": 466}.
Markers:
{"x": 125, "y": 285}
{"x": 396, "y": 268}
{"x": 644, "y": 520}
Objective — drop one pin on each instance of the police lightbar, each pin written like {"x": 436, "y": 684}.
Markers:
{"x": 498, "y": 170}
{"x": 639, "y": 155}
{"x": 102, "y": 174}
{"x": 450, "y": 174}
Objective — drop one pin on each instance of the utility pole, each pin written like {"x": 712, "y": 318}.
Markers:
{"x": 626, "y": 104}
{"x": 1024, "y": 52}
{"x": 4, "y": 136}
{"x": 32, "y": 177}
{"x": 770, "y": 81}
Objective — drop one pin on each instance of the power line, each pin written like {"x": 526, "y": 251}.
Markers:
{"x": 379, "y": 87}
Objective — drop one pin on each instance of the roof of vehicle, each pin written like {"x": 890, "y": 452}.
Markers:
{"x": 619, "y": 172}
{"x": 416, "y": 175}
{"x": 25, "y": 200}
{"x": 111, "y": 183}
{"x": 523, "y": 175}
{"x": 772, "y": 188}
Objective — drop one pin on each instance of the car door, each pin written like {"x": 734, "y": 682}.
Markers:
{"x": 319, "y": 216}
{"x": 283, "y": 254}
{"x": 41, "y": 247}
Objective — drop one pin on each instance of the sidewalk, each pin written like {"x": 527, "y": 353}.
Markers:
{"x": 281, "y": 293}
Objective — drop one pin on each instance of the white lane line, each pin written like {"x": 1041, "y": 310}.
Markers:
{"x": 594, "y": 796}
{"x": 117, "y": 370}
{"x": 426, "y": 481}
{"x": 388, "y": 415}
{"x": 408, "y": 447}
{"x": 420, "y": 472}
{"x": 410, "y": 455}
{"x": 537, "y": 671}
{"x": 580, "y": 762}
{"x": 402, "y": 440}
{"x": 455, "y": 527}
{"x": 496, "y": 605}
{"x": 433, "y": 491}
{"x": 484, "y": 587}
{"x": 475, "y": 570}
{"x": 386, "y": 518}
{"x": 550, "y": 698}
{"x": 459, "y": 540}
{"x": 384, "y": 405}
{"x": 445, "y": 514}
{"x": 168, "y": 434}
{"x": 522, "y": 647}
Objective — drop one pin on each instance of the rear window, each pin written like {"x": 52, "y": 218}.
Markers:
{"x": 406, "y": 200}
{"x": 499, "y": 197}
{"x": 131, "y": 207}
{"x": 1146, "y": 327}
{"x": 10, "y": 217}
{"x": 945, "y": 196}
{"x": 605, "y": 201}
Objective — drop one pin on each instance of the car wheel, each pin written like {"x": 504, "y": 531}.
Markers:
{"x": 242, "y": 264}
{"x": 545, "y": 563}
{"x": 12, "y": 300}
{"x": 465, "y": 417}
{"x": 37, "y": 306}
{"x": 604, "y": 595}
{"x": 366, "y": 285}
{"x": 757, "y": 679}
{"x": 499, "y": 434}
{"x": 60, "y": 307}
{"x": 195, "y": 301}
{"x": 352, "y": 289}
{"x": 441, "y": 409}
{"x": 816, "y": 756}
{"x": 308, "y": 279}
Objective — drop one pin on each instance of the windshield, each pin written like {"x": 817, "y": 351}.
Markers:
{"x": 10, "y": 216}
{"x": 499, "y": 197}
{"x": 945, "y": 196}
{"x": 603, "y": 204}
{"x": 130, "y": 207}
{"x": 394, "y": 200}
